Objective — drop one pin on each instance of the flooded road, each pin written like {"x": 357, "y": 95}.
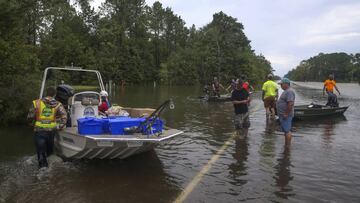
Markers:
{"x": 205, "y": 164}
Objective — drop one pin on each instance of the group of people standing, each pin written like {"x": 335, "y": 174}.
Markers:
{"x": 216, "y": 86}
{"x": 284, "y": 105}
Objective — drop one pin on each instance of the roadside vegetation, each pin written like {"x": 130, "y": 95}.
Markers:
{"x": 125, "y": 40}
{"x": 345, "y": 68}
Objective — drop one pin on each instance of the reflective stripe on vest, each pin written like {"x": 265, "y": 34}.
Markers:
{"x": 44, "y": 116}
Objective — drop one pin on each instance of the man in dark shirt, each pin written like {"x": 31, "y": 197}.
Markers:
{"x": 240, "y": 99}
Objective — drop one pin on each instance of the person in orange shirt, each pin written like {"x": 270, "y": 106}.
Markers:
{"x": 329, "y": 86}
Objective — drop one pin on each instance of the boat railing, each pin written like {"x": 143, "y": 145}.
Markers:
{"x": 101, "y": 84}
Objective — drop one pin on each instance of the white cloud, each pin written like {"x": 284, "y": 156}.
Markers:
{"x": 338, "y": 24}
{"x": 282, "y": 63}
{"x": 330, "y": 38}
{"x": 280, "y": 59}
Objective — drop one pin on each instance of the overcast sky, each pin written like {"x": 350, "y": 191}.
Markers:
{"x": 284, "y": 31}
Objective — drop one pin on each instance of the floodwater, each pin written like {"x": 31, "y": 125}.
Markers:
{"x": 321, "y": 165}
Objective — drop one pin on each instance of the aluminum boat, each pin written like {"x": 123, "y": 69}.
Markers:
{"x": 315, "y": 111}
{"x": 70, "y": 144}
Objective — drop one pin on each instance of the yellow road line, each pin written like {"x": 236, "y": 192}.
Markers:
{"x": 190, "y": 187}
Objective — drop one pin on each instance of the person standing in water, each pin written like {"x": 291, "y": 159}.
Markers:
{"x": 216, "y": 87}
{"x": 47, "y": 116}
{"x": 246, "y": 85}
{"x": 232, "y": 85}
{"x": 285, "y": 109}
{"x": 269, "y": 96}
{"x": 240, "y": 100}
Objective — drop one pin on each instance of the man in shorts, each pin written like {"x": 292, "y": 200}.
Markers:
{"x": 269, "y": 96}
{"x": 285, "y": 109}
{"x": 240, "y": 99}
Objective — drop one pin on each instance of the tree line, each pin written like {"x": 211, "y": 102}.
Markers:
{"x": 345, "y": 68}
{"x": 125, "y": 40}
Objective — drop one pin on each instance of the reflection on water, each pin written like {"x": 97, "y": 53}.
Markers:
{"x": 86, "y": 181}
{"x": 326, "y": 125}
{"x": 267, "y": 147}
{"x": 283, "y": 174}
{"x": 238, "y": 169}
{"x": 324, "y": 153}
{"x": 328, "y": 132}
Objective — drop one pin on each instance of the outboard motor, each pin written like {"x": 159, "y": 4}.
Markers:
{"x": 63, "y": 92}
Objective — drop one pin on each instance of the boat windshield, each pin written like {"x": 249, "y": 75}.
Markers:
{"x": 87, "y": 95}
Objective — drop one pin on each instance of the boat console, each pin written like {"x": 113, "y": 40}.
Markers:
{"x": 83, "y": 104}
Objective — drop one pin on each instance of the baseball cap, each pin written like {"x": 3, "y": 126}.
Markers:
{"x": 284, "y": 80}
{"x": 104, "y": 93}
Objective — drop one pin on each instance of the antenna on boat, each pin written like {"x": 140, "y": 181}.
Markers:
{"x": 72, "y": 67}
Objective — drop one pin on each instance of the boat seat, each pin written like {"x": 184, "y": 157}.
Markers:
{"x": 315, "y": 106}
{"x": 89, "y": 101}
{"x": 83, "y": 104}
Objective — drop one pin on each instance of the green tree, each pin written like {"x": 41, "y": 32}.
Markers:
{"x": 18, "y": 61}
{"x": 317, "y": 68}
{"x": 125, "y": 40}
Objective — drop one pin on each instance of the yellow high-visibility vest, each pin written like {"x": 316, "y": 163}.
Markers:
{"x": 45, "y": 116}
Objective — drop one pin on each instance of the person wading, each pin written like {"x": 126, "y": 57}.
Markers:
{"x": 216, "y": 87}
{"x": 246, "y": 85}
{"x": 232, "y": 86}
{"x": 269, "y": 96}
{"x": 47, "y": 116}
{"x": 240, "y": 99}
{"x": 329, "y": 86}
{"x": 285, "y": 109}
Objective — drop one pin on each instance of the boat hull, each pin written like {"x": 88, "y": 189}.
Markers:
{"x": 71, "y": 145}
{"x": 308, "y": 112}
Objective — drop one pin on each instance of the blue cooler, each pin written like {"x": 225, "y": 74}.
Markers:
{"x": 156, "y": 127}
{"x": 117, "y": 125}
{"x": 106, "y": 125}
{"x": 90, "y": 126}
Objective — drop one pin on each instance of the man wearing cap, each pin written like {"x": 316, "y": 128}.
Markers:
{"x": 240, "y": 99}
{"x": 285, "y": 108}
{"x": 269, "y": 96}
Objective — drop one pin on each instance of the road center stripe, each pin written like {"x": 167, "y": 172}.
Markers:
{"x": 195, "y": 181}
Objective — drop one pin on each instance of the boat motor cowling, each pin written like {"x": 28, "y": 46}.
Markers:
{"x": 63, "y": 92}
